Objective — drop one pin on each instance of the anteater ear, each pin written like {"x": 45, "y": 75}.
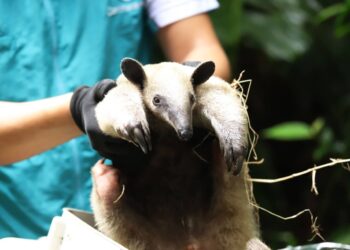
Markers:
{"x": 203, "y": 72}
{"x": 133, "y": 71}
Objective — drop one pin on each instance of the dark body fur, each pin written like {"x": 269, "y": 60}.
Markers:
{"x": 171, "y": 196}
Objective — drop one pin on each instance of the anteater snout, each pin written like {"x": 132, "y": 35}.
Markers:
{"x": 185, "y": 134}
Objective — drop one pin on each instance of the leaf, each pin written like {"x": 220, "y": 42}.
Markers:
{"x": 227, "y": 21}
{"x": 342, "y": 235}
{"x": 288, "y": 131}
{"x": 342, "y": 30}
{"x": 340, "y": 12}
{"x": 331, "y": 11}
{"x": 278, "y": 27}
{"x": 325, "y": 144}
{"x": 317, "y": 126}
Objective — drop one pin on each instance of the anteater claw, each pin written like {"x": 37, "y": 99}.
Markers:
{"x": 237, "y": 167}
{"x": 138, "y": 136}
{"x": 234, "y": 160}
{"x": 140, "y": 139}
{"x": 229, "y": 159}
{"x": 147, "y": 137}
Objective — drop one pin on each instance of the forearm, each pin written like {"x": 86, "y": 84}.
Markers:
{"x": 213, "y": 53}
{"x": 194, "y": 39}
{"x": 30, "y": 128}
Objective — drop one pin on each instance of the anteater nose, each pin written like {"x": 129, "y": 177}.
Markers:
{"x": 185, "y": 134}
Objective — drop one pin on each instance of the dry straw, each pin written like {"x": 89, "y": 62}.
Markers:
{"x": 253, "y": 139}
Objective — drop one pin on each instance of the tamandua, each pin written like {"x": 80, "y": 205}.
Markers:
{"x": 188, "y": 194}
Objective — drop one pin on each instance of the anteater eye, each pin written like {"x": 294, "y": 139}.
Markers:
{"x": 156, "y": 100}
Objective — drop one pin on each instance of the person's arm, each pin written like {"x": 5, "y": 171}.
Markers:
{"x": 194, "y": 39}
{"x": 30, "y": 128}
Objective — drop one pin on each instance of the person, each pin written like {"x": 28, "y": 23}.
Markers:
{"x": 49, "y": 48}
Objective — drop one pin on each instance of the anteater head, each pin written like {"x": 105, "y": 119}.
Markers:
{"x": 168, "y": 90}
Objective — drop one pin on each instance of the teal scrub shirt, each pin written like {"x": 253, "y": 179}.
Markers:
{"x": 48, "y": 48}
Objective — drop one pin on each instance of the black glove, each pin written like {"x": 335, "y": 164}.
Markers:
{"x": 82, "y": 107}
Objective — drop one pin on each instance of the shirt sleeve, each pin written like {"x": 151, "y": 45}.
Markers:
{"x": 165, "y": 12}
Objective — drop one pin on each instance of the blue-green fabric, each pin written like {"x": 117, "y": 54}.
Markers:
{"x": 47, "y": 48}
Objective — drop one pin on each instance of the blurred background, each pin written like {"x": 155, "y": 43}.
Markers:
{"x": 297, "y": 53}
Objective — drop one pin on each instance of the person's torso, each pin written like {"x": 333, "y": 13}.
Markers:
{"x": 47, "y": 48}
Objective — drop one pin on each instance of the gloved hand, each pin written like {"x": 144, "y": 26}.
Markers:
{"x": 82, "y": 107}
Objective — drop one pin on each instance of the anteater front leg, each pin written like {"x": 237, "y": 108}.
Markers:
{"x": 219, "y": 108}
{"x": 121, "y": 114}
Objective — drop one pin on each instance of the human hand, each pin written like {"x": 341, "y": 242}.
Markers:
{"x": 106, "y": 183}
{"x": 82, "y": 106}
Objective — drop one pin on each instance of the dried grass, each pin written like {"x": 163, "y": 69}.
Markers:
{"x": 252, "y": 159}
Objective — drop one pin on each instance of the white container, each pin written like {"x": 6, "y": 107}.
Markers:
{"x": 75, "y": 229}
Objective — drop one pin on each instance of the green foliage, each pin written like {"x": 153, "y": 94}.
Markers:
{"x": 325, "y": 144}
{"x": 342, "y": 235}
{"x": 227, "y": 22}
{"x": 340, "y": 12}
{"x": 290, "y": 131}
{"x": 278, "y": 27}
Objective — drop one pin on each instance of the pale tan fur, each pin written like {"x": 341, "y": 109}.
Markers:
{"x": 220, "y": 109}
{"x": 113, "y": 112}
{"x": 177, "y": 94}
{"x": 230, "y": 222}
